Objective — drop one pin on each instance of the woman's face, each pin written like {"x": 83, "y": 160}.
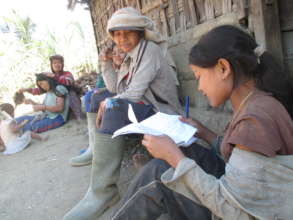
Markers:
{"x": 213, "y": 83}
{"x": 126, "y": 40}
{"x": 44, "y": 85}
{"x": 57, "y": 65}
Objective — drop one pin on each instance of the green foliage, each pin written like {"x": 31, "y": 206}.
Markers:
{"x": 22, "y": 53}
{"x": 22, "y": 27}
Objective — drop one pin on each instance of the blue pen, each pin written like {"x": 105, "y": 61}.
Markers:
{"x": 186, "y": 106}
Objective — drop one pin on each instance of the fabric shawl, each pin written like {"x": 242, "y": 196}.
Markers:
{"x": 254, "y": 184}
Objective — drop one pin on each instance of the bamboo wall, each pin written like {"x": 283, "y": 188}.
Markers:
{"x": 286, "y": 19}
{"x": 170, "y": 16}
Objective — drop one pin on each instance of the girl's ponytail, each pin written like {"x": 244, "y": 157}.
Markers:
{"x": 271, "y": 78}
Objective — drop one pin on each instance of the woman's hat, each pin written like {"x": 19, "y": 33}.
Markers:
{"x": 127, "y": 28}
{"x": 131, "y": 19}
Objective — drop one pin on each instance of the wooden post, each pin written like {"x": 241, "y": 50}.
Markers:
{"x": 176, "y": 14}
{"x": 94, "y": 19}
{"x": 190, "y": 13}
{"x": 240, "y": 7}
{"x": 209, "y": 8}
{"x": 200, "y": 9}
{"x": 227, "y": 6}
{"x": 138, "y": 3}
{"x": 165, "y": 18}
{"x": 266, "y": 26}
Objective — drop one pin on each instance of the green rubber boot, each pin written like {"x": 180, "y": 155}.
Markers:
{"x": 103, "y": 190}
{"x": 87, "y": 157}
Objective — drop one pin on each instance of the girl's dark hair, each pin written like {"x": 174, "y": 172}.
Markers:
{"x": 238, "y": 47}
{"x": 18, "y": 98}
{"x": 42, "y": 77}
{"x": 56, "y": 57}
{"x": 8, "y": 108}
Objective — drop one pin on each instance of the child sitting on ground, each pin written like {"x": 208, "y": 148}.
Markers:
{"x": 10, "y": 133}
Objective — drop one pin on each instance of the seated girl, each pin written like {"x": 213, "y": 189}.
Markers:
{"x": 117, "y": 56}
{"x": 250, "y": 174}
{"x": 54, "y": 107}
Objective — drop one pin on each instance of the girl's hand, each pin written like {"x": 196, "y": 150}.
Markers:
{"x": 106, "y": 54}
{"x": 164, "y": 148}
{"x": 202, "y": 131}
{"x": 15, "y": 128}
{"x": 29, "y": 102}
{"x": 100, "y": 114}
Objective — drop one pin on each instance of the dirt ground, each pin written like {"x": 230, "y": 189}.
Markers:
{"x": 39, "y": 184}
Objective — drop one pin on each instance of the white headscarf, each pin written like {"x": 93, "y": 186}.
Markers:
{"x": 131, "y": 19}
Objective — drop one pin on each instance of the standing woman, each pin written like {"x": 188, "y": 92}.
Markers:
{"x": 54, "y": 107}
{"x": 257, "y": 148}
{"x": 147, "y": 81}
{"x": 64, "y": 78}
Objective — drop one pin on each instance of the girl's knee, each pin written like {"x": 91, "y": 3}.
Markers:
{"x": 155, "y": 168}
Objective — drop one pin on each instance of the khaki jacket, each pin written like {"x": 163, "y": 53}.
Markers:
{"x": 145, "y": 75}
{"x": 253, "y": 186}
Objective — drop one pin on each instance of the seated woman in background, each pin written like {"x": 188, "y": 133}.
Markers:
{"x": 250, "y": 174}
{"x": 64, "y": 78}
{"x": 55, "y": 106}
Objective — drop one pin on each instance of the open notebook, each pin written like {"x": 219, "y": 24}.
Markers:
{"x": 160, "y": 124}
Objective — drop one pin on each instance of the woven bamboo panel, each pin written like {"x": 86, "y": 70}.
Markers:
{"x": 170, "y": 16}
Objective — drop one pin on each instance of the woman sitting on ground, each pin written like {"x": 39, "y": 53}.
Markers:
{"x": 54, "y": 108}
{"x": 250, "y": 174}
{"x": 64, "y": 78}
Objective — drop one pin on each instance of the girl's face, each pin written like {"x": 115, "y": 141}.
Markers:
{"x": 214, "y": 83}
{"x": 126, "y": 40}
{"x": 118, "y": 56}
{"x": 57, "y": 65}
{"x": 44, "y": 85}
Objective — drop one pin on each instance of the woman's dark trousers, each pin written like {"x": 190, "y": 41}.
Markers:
{"x": 148, "y": 198}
